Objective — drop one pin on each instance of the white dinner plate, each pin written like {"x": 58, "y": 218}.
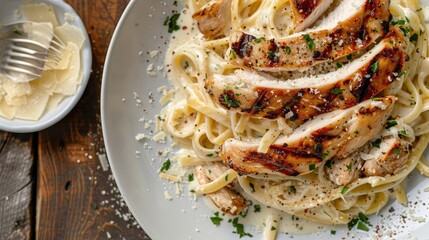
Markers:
{"x": 125, "y": 100}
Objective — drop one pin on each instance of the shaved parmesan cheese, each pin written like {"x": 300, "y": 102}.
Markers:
{"x": 68, "y": 79}
{"x": 6, "y": 111}
{"x": 36, "y": 104}
{"x": 70, "y": 34}
{"x": 39, "y": 13}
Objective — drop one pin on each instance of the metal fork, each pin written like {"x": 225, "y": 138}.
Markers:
{"x": 23, "y": 59}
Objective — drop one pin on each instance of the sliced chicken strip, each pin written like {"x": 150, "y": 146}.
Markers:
{"x": 226, "y": 199}
{"x": 214, "y": 18}
{"x": 303, "y": 98}
{"x": 306, "y": 12}
{"x": 352, "y": 26}
{"x": 390, "y": 157}
{"x": 346, "y": 170}
{"x": 335, "y": 134}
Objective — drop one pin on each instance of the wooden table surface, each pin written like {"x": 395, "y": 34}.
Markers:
{"x": 52, "y": 185}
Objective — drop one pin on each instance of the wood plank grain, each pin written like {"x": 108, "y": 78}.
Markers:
{"x": 76, "y": 199}
{"x": 16, "y": 186}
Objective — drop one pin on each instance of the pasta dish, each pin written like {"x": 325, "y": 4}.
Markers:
{"x": 315, "y": 108}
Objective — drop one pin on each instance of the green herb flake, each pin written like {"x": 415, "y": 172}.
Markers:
{"x": 256, "y": 208}
{"x": 398, "y": 22}
{"x": 165, "y": 166}
{"x": 210, "y": 155}
{"x": 17, "y": 32}
{"x": 333, "y": 232}
{"x": 325, "y": 155}
{"x": 226, "y": 177}
{"x": 239, "y": 228}
{"x": 349, "y": 57}
{"x": 271, "y": 54}
{"x": 252, "y": 186}
{"x": 349, "y": 167}
{"x": 362, "y": 226}
{"x": 191, "y": 177}
{"x": 339, "y": 65}
{"x": 414, "y": 37}
{"x": 273, "y": 228}
{"x": 233, "y": 54}
{"x": 288, "y": 50}
{"x": 401, "y": 74}
{"x": 337, "y": 91}
{"x": 292, "y": 189}
{"x": 216, "y": 220}
{"x": 258, "y": 40}
{"x": 171, "y": 22}
{"x": 344, "y": 190}
{"x": 391, "y": 122}
{"x": 397, "y": 151}
{"x": 310, "y": 43}
{"x": 295, "y": 100}
{"x": 403, "y": 132}
{"x": 374, "y": 67}
{"x": 311, "y": 166}
{"x": 352, "y": 223}
{"x": 376, "y": 143}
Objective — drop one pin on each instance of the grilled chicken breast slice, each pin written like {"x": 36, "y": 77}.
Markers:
{"x": 352, "y": 26}
{"x": 226, "y": 199}
{"x": 214, "y": 18}
{"x": 298, "y": 100}
{"x": 389, "y": 157}
{"x": 335, "y": 134}
{"x": 306, "y": 12}
{"x": 345, "y": 170}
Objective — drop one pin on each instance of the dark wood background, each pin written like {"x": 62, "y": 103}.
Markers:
{"x": 52, "y": 185}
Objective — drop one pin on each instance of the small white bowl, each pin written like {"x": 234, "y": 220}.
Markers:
{"x": 8, "y": 14}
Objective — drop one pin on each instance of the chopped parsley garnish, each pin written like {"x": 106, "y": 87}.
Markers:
{"x": 403, "y": 132}
{"x": 310, "y": 43}
{"x": 258, "y": 40}
{"x": 329, "y": 164}
{"x": 325, "y": 155}
{"x": 312, "y": 166}
{"x": 361, "y": 221}
{"x": 391, "y": 122}
{"x": 216, "y": 220}
{"x": 405, "y": 30}
{"x": 397, "y": 151}
{"x": 376, "y": 143}
{"x": 252, "y": 187}
{"x": 362, "y": 226}
{"x": 349, "y": 167}
{"x": 333, "y": 232}
{"x": 210, "y": 155}
{"x": 17, "y": 32}
{"x": 337, "y": 91}
{"x": 339, "y": 65}
{"x": 344, "y": 190}
{"x": 271, "y": 54}
{"x": 401, "y": 74}
{"x": 295, "y": 100}
{"x": 287, "y": 49}
{"x": 414, "y": 37}
{"x": 191, "y": 177}
{"x": 171, "y": 22}
{"x": 292, "y": 189}
{"x": 239, "y": 228}
{"x": 273, "y": 228}
{"x": 226, "y": 177}
{"x": 233, "y": 54}
{"x": 349, "y": 57}
{"x": 398, "y": 22}
{"x": 165, "y": 166}
{"x": 230, "y": 102}
{"x": 256, "y": 208}
{"x": 374, "y": 67}
{"x": 244, "y": 213}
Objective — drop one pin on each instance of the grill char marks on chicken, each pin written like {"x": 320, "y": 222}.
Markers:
{"x": 301, "y": 99}
{"x": 352, "y": 26}
{"x": 335, "y": 134}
